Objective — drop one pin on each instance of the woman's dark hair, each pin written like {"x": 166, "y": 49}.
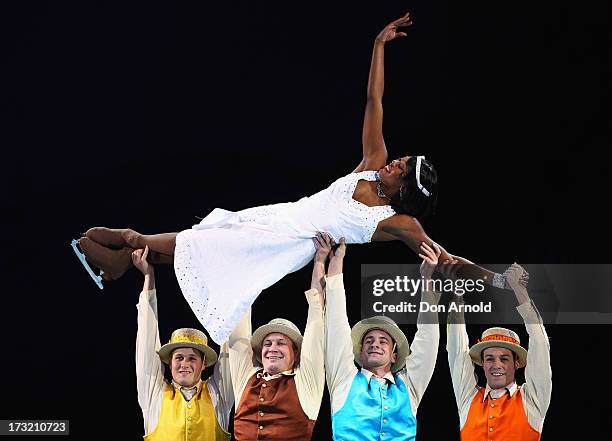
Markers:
{"x": 412, "y": 200}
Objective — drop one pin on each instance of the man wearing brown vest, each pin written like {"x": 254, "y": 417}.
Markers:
{"x": 502, "y": 409}
{"x": 278, "y": 375}
{"x": 186, "y": 409}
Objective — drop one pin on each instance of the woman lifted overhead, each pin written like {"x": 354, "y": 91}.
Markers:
{"x": 224, "y": 262}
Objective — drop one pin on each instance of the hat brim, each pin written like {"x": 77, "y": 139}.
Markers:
{"x": 476, "y": 351}
{"x": 401, "y": 342}
{"x": 209, "y": 353}
{"x": 265, "y": 330}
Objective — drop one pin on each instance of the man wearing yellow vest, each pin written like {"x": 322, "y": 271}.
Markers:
{"x": 278, "y": 375}
{"x": 502, "y": 409}
{"x": 187, "y": 408}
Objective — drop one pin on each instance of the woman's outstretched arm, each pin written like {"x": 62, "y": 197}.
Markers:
{"x": 409, "y": 230}
{"x": 374, "y": 149}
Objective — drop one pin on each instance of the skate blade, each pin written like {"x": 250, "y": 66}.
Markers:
{"x": 96, "y": 278}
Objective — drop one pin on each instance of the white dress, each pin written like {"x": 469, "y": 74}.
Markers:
{"x": 224, "y": 262}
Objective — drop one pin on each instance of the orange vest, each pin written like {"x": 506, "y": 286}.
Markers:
{"x": 271, "y": 410}
{"x": 193, "y": 420}
{"x": 503, "y": 419}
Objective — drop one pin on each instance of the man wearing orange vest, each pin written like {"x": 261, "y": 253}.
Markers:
{"x": 278, "y": 375}
{"x": 502, "y": 409}
{"x": 186, "y": 409}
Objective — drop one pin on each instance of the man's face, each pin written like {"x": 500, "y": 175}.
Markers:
{"x": 277, "y": 353}
{"x": 186, "y": 365}
{"x": 499, "y": 367}
{"x": 377, "y": 350}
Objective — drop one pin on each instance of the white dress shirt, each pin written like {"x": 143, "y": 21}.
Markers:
{"x": 340, "y": 367}
{"x": 150, "y": 370}
{"x": 536, "y": 391}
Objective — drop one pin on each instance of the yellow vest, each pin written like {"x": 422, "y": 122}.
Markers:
{"x": 182, "y": 420}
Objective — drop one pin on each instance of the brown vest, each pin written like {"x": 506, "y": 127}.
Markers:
{"x": 271, "y": 410}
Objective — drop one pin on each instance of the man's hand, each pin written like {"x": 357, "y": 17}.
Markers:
{"x": 338, "y": 250}
{"x": 449, "y": 268}
{"x": 390, "y": 31}
{"x": 323, "y": 244}
{"x": 139, "y": 259}
{"x": 516, "y": 277}
{"x": 524, "y": 278}
{"x": 337, "y": 258}
{"x": 430, "y": 259}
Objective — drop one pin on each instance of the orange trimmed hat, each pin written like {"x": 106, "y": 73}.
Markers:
{"x": 499, "y": 338}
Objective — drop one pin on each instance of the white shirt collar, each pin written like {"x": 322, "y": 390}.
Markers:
{"x": 268, "y": 376}
{"x": 388, "y": 376}
{"x": 498, "y": 393}
{"x": 188, "y": 392}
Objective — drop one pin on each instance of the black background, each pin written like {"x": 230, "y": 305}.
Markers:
{"x": 149, "y": 114}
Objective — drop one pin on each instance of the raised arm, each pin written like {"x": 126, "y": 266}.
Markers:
{"x": 374, "y": 149}
{"x": 409, "y": 230}
{"x": 221, "y": 388}
{"x": 149, "y": 368}
{"x": 459, "y": 362}
{"x": 538, "y": 374}
{"x": 421, "y": 362}
{"x": 310, "y": 376}
{"x": 241, "y": 355}
{"x": 339, "y": 365}
{"x": 323, "y": 244}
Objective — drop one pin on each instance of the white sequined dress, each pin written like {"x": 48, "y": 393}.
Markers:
{"x": 225, "y": 261}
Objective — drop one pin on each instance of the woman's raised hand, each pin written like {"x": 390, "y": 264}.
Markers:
{"x": 390, "y": 31}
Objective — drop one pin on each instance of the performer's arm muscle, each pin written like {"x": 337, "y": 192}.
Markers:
{"x": 408, "y": 229}
{"x": 374, "y": 148}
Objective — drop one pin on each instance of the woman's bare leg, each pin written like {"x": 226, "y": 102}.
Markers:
{"x": 111, "y": 249}
{"x": 158, "y": 258}
{"x": 163, "y": 243}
